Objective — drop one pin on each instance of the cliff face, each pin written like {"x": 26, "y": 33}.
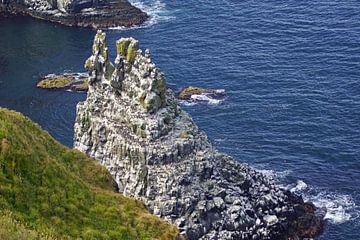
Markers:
{"x": 132, "y": 124}
{"x": 84, "y": 13}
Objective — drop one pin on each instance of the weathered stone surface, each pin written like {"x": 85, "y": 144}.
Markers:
{"x": 83, "y": 13}
{"x": 131, "y": 123}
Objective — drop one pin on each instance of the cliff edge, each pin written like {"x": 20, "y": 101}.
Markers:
{"x": 131, "y": 123}
{"x": 82, "y": 13}
{"x": 48, "y": 191}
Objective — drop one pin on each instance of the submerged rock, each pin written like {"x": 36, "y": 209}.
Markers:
{"x": 132, "y": 124}
{"x": 82, "y": 13}
{"x": 198, "y": 94}
{"x": 67, "y": 81}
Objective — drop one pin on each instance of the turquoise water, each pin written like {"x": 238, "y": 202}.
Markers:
{"x": 291, "y": 70}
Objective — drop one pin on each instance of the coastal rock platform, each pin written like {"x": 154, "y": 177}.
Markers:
{"x": 86, "y": 13}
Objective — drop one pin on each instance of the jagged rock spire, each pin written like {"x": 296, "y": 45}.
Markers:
{"x": 99, "y": 65}
{"x": 133, "y": 74}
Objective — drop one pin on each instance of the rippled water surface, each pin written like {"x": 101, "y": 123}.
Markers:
{"x": 291, "y": 70}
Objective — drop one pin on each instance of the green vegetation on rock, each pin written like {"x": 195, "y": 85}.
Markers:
{"x": 65, "y": 81}
{"x": 127, "y": 48}
{"x": 88, "y": 64}
{"x": 131, "y": 51}
{"x": 109, "y": 71}
{"x": 159, "y": 87}
{"x": 121, "y": 46}
{"x": 48, "y": 191}
{"x": 56, "y": 83}
{"x": 186, "y": 93}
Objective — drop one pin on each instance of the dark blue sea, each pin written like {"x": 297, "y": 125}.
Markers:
{"x": 291, "y": 70}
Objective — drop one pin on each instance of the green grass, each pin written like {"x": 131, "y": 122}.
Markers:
{"x": 48, "y": 191}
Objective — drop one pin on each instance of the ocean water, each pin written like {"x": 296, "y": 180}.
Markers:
{"x": 291, "y": 70}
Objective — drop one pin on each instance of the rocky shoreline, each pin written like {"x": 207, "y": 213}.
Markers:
{"x": 91, "y": 14}
{"x": 132, "y": 124}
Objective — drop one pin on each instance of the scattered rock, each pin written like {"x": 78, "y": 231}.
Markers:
{"x": 67, "y": 81}
{"x": 197, "y": 94}
{"x": 79, "y": 81}
{"x": 131, "y": 123}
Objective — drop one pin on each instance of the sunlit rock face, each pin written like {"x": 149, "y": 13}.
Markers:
{"x": 131, "y": 123}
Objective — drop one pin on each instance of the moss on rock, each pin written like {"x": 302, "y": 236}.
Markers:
{"x": 71, "y": 81}
{"x": 132, "y": 50}
{"x": 122, "y": 46}
{"x": 127, "y": 48}
{"x": 56, "y": 83}
{"x": 186, "y": 93}
{"x": 159, "y": 86}
{"x": 89, "y": 65}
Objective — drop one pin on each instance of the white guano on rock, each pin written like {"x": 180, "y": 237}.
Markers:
{"x": 132, "y": 124}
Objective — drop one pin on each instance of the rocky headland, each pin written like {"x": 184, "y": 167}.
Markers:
{"x": 82, "y": 13}
{"x": 131, "y": 123}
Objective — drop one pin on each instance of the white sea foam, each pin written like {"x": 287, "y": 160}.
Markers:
{"x": 205, "y": 98}
{"x": 340, "y": 208}
{"x": 276, "y": 175}
{"x": 220, "y": 91}
{"x": 156, "y": 9}
{"x": 299, "y": 187}
{"x": 186, "y": 103}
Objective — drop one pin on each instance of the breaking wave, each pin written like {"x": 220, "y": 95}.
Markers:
{"x": 156, "y": 9}
{"x": 214, "y": 98}
{"x": 205, "y": 98}
{"x": 276, "y": 175}
{"x": 340, "y": 208}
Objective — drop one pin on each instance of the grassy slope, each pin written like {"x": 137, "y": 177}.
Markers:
{"x": 49, "y": 190}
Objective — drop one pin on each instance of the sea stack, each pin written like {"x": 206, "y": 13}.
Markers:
{"x": 132, "y": 124}
{"x": 81, "y": 13}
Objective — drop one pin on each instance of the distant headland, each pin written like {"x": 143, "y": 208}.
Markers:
{"x": 80, "y": 13}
